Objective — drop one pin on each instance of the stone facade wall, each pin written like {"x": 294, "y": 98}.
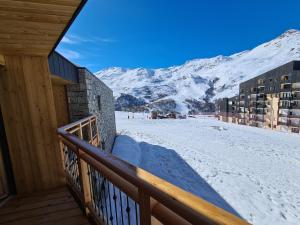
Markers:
{"x": 92, "y": 97}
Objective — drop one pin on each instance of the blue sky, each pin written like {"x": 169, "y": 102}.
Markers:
{"x": 162, "y": 33}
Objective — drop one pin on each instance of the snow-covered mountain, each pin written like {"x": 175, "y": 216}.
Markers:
{"x": 193, "y": 86}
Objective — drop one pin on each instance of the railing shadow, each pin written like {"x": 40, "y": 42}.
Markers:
{"x": 169, "y": 165}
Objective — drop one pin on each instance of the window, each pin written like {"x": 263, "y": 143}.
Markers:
{"x": 261, "y": 81}
{"x": 99, "y": 102}
{"x": 270, "y": 80}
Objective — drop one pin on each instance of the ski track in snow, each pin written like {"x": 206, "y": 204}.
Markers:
{"x": 252, "y": 172}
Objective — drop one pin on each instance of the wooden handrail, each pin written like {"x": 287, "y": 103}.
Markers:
{"x": 168, "y": 202}
{"x": 77, "y": 123}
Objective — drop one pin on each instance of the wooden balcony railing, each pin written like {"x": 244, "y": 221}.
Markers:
{"x": 113, "y": 191}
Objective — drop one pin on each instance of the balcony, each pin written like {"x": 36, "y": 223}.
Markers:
{"x": 294, "y": 116}
{"x": 287, "y": 98}
{"x": 286, "y": 88}
{"x": 260, "y": 120}
{"x": 290, "y": 123}
{"x": 111, "y": 190}
{"x": 283, "y": 115}
{"x": 259, "y": 99}
{"x": 260, "y": 112}
{"x": 283, "y": 123}
{"x": 285, "y": 81}
{"x": 294, "y": 106}
{"x": 261, "y": 105}
{"x": 261, "y": 90}
{"x": 284, "y": 107}
{"x": 296, "y": 97}
{"x": 294, "y": 124}
{"x": 296, "y": 89}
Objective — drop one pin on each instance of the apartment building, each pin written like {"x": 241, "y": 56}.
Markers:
{"x": 270, "y": 100}
{"x": 228, "y": 109}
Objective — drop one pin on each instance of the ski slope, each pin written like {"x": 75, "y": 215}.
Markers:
{"x": 251, "y": 172}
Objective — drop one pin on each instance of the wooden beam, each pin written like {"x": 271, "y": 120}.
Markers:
{"x": 2, "y": 60}
{"x": 59, "y": 81}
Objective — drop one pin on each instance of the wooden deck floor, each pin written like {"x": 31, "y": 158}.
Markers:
{"x": 56, "y": 207}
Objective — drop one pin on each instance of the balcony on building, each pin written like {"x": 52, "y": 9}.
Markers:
{"x": 261, "y": 97}
{"x": 285, "y": 79}
{"x": 260, "y": 89}
{"x": 296, "y": 86}
{"x": 261, "y": 105}
{"x": 295, "y": 95}
{"x": 286, "y": 87}
{"x": 295, "y": 104}
{"x": 260, "y": 111}
{"x": 260, "y": 119}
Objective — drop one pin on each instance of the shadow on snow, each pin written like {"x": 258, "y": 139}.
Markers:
{"x": 169, "y": 165}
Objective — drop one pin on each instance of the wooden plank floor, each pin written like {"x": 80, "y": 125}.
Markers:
{"x": 55, "y": 207}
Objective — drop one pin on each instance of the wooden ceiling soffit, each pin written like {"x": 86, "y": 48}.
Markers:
{"x": 34, "y": 27}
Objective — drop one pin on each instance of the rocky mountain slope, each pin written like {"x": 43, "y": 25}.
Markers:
{"x": 194, "y": 86}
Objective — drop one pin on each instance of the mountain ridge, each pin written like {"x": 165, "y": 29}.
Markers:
{"x": 194, "y": 86}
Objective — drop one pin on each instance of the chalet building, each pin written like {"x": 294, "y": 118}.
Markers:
{"x": 86, "y": 95}
{"x": 271, "y": 100}
{"x": 55, "y": 119}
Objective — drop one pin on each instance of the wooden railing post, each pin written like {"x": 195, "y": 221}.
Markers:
{"x": 145, "y": 211}
{"x": 90, "y": 129}
{"x": 61, "y": 146}
{"x": 85, "y": 182}
{"x": 80, "y": 132}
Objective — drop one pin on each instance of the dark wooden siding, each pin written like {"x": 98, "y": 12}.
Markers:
{"x": 62, "y": 67}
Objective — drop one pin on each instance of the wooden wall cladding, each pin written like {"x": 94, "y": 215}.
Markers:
{"x": 29, "y": 115}
{"x": 60, "y": 102}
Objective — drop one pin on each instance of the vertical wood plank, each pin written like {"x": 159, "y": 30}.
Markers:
{"x": 85, "y": 182}
{"x": 30, "y": 121}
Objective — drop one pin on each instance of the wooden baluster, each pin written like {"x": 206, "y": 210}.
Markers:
{"x": 80, "y": 132}
{"x": 90, "y": 132}
{"x": 85, "y": 183}
{"x": 145, "y": 211}
{"x": 61, "y": 146}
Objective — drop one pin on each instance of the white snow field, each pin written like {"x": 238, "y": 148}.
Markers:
{"x": 252, "y": 172}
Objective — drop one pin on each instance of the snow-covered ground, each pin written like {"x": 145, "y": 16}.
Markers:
{"x": 252, "y": 172}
